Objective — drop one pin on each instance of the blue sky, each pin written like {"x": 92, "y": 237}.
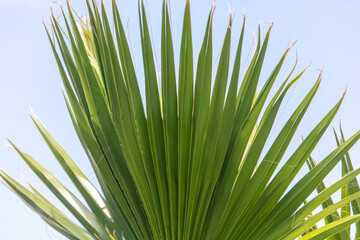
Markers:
{"x": 327, "y": 32}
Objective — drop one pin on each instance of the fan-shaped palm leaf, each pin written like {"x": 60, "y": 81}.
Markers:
{"x": 185, "y": 162}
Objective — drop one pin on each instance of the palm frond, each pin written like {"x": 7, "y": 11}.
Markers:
{"x": 185, "y": 162}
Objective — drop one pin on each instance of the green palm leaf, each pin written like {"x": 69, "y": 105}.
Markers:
{"x": 185, "y": 162}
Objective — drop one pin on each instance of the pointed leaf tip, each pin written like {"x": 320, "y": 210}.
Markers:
{"x": 9, "y": 143}
{"x": 229, "y": 9}
{"x": 288, "y": 49}
{"x": 307, "y": 67}
{"x": 51, "y": 12}
{"x": 272, "y": 24}
{"x": 333, "y": 128}
{"x": 213, "y": 4}
{"x": 344, "y": 92}
{"x": 230, "y": 21}
{"x": 320, "y": 76}
{"x": 302, "y": 72}
{"x": 244, "y": 13}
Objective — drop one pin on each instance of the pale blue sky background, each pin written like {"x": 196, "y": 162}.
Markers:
{"x": 328, "y": 33}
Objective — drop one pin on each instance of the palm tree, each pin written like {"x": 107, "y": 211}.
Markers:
{"x": 188, "y": 164}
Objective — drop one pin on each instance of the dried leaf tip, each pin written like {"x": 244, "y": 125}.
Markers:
{"x": 319, "y": 79}
{"x": 302, "y": 72}
{"x": 288, "y": 49}
{"x": 344, "y": 92}
{"x": 212, "y": 10}
{"x": 51, "y": 11}
{"x": 231, "y": 17}
{"x": 307, "y": 67}
{"x": 213, "y": 5}
{"x": 53, "y": 3}
{"x": 244, "y": 14}
{"x": 333, "y": 129}
{"x": 320, "y": 74}
{"x": 271, "y": 25}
